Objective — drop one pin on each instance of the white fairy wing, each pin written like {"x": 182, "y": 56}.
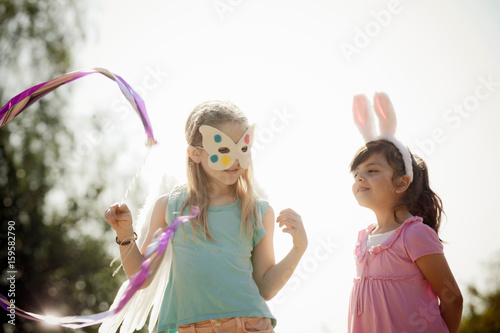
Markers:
{"x": 134, "y": 314}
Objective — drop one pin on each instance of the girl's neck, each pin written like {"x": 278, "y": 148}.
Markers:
{"x": 220, "y": 195}
{"x": 386, "y": 220}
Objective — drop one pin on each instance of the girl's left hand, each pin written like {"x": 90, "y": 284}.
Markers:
{"x": 294, "y": 226}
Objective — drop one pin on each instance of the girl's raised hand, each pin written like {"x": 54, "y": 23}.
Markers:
{"x": 119, "y": 218}
{"x": 294, "y": 226}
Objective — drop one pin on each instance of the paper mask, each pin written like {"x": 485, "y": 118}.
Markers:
{"x": 223, "y": 152}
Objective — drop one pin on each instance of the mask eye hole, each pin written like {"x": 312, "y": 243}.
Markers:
{"x": 224, "y": 150}
{"x": 244, "y": 149}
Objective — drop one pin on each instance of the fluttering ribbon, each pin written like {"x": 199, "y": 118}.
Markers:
{"x": 28, "y": 97}
{"x": 159, "y": 243}
{"x": 154, "y": 254}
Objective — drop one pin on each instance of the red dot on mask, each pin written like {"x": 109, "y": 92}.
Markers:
{"x": 247, "y": 138}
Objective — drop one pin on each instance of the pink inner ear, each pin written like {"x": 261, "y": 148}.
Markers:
{"x": 359, "y": 119}
{"x": 382, "y": 105}
{"x": 383, "y": 114}
{"x": 359, "y": 109}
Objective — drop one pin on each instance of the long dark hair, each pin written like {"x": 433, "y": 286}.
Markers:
{"x": 419, "y": 199}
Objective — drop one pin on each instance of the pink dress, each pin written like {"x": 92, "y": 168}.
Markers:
{"x": 390, "y": 293}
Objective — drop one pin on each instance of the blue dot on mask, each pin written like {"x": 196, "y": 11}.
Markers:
{"x": 214, "y": 158}
{"x": 217, "y": 138}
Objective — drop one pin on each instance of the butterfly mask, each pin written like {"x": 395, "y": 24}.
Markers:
{"x": 223, "y": 151}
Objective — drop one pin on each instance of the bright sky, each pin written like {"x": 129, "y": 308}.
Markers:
{"x": 293, "y": 67}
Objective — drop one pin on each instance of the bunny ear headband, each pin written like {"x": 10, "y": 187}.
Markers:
{"x": 363, "y": 117}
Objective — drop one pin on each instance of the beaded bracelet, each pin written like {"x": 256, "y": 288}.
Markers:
{"x": 126, "y": 242}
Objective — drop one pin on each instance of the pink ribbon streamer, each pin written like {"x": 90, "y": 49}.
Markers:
{"x": 156, "y": 251}
{"x": 28, "y": 97}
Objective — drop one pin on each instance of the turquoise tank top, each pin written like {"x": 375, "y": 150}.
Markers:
{"x": 212, "y": 279}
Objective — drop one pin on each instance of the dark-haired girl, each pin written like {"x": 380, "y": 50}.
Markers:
{"x": 403, "y": 282}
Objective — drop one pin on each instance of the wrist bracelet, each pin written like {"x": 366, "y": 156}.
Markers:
{"x": 126, "y": 242}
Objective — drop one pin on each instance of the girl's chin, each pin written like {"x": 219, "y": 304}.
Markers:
{"x": 363, "y": 203}
{"x": 228, "y": 180}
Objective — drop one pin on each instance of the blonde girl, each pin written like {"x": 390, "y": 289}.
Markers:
{"x": 223, "y": 265}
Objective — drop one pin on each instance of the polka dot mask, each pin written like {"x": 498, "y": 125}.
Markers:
{"x": 223, "y": 151}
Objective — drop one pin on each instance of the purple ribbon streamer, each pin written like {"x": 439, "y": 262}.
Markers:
{"x": 31, "y": 95}
{"x": 136, "y": 282}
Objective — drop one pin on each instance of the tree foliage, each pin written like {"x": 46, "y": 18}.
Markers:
{"x": 59, "y": 269}
{"x": 483, "y": 315}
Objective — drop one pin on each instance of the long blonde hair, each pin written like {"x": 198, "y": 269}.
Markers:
{"x": 214, "y": 113}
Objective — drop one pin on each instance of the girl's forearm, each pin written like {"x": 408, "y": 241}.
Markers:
{"x": 278, "y": 275}
{"x": 452, "y": 314}
{"x": 130, "y": 254}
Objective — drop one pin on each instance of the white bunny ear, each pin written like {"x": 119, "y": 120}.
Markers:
{"x": 363, "y": 117}
{"x": 386, "y": 115}
{"x": 387, "y": 123}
